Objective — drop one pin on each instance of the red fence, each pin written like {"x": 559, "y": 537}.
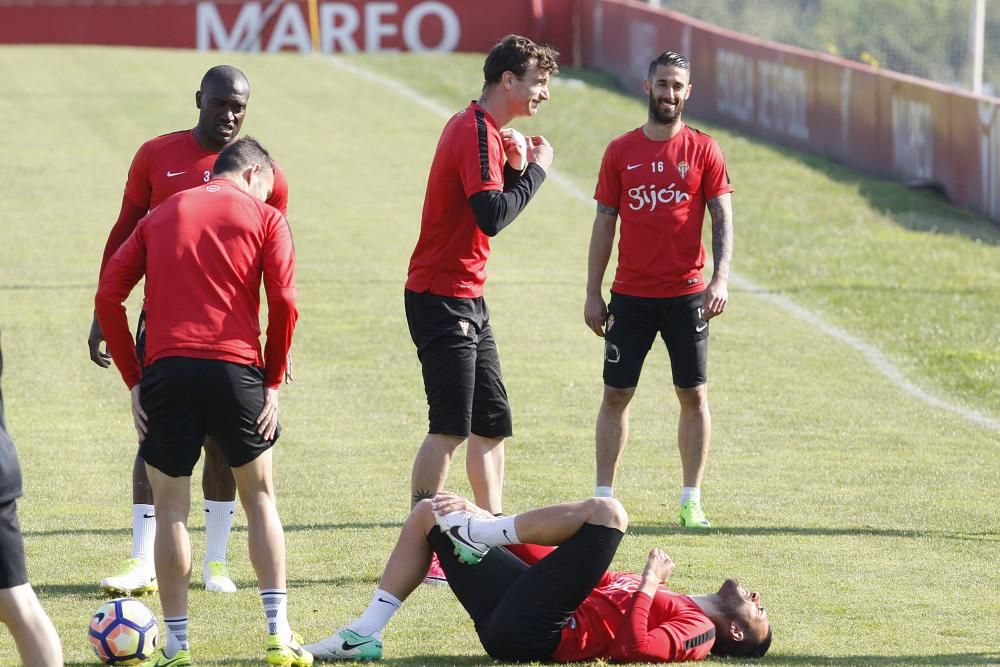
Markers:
{"x": 882, "y": 123}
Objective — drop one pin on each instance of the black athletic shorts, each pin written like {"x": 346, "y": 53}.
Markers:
{"x": 633, "y": 323}
{"x": 140, "y": 339}
{"x": 12, "y": 567}
{"x": 460, "y": 364}
{"x": 519, "y": 610}
{"x": 186, "y": 399}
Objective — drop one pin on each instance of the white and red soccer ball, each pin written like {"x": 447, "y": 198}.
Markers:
{"x": 123, "y": 632}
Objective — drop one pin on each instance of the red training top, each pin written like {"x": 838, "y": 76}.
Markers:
{"x": 204, "y": 252}
{"x": 660, "y": 189}
{"x": 163, "y": 167}
{"x": 615, "y": 622}
{"x": 451, "y": 252}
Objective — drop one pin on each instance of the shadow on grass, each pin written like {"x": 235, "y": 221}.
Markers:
{"x": 289, "y": 528}
{"x": 860, "y": 531}
{"x": 942, "y": 659}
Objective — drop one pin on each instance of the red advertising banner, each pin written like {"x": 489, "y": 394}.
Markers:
{"x": 345, "y": 26}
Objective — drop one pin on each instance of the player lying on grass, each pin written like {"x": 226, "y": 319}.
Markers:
{"x": 538, "y": 588}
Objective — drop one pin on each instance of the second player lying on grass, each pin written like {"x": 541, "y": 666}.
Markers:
{"x": 538, "y": 588}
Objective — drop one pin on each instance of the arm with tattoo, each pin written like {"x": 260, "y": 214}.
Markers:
{"x": 721, "y": 209}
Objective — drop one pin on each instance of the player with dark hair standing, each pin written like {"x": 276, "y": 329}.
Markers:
{"x": 205, "y": 252}
{"x": 36, "y": 639}
{"x": 532, "y": 602}
{"x": 479, "y": 182}
{"x": 659, "y": 178}
{"x": 162, "y": 167}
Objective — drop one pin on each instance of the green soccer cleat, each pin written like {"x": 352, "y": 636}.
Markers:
{"x": 134, "y": 578}
{"x": 345, "y": 644}
{"x": 287, "y": 654}
{"x": 215, "y": 574}
{"x": 181, "y": 659}
{"x": 692, "y": 516}
{"x": 456, "y": 526}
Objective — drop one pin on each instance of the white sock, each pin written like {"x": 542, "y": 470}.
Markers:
{"x": 143, "y": 532}
{"x": 378, "y": 613}
{"x": 690, "y": 493}
{"x": 177, "y": 635}
{"x": 218, "y": 523}
{"x": 604, "y": 492}
{"x": 276, "y": 611}
{"x": 496, "y": 532}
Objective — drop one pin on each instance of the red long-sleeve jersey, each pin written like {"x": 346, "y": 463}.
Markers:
{"x": 616, "y": 622}
{"x": 204, "y": 252}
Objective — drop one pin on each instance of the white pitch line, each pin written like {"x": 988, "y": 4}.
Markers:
{"x": 874, "y": 356}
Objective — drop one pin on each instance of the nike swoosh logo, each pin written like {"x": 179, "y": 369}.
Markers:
{"x": 455, "y": 534}
{"x": 148, "y": 516}
{"x": 505, "y": 535}
{"x": 171, "y": 174}
{"x": 386, "y": 601}
{"x": 630, "y": 167}
{"x": 348, "y": 646}
{"x": 699, "y": 329}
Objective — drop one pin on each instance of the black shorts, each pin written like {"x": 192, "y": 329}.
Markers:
{"x": 140, "y": 339}
{"x": 633, "y": 323}
{"x": 519, "y": 610}
{"x": 460, "y": 364}
{"x": 186, "y": 399}
{"x": 12, "y": 567}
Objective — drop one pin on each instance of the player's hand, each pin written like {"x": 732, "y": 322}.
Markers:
{"x": 94, "y": 340}
{"x": 659, "y": 566}
{"x": 138, "y": 415}
{"x": 715, "y": 298}
{"x": 289, "y": 377}
{"x": 267, "y": 420}
{"x": 595, "y": 313}
{"x": 540, "y": 152}
{"x": 446, "y": 502}
{"x": 517, "y": 159}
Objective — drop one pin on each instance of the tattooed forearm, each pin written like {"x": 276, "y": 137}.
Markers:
{"x": 606, "y": 210}
{"x": 721, "y": 209}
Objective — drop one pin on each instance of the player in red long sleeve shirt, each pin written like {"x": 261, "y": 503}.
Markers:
{"x": 162, "y": 167}
{"x": 557, "y": 602}
{"x": 205, "y": 252}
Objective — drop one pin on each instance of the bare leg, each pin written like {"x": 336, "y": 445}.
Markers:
{"x": 217, "y": 481}
{"x": 265, "y": 534}
{"x": 142, "y": 492}
{"x": 172, "y": 548}
{"x": 34, "y": 635}
{"x": 407, "y": 565}
{"x": 612, "y": 432}
{"x": 430, "y": 468}
{"x": 694, "y": 431}
{"x": 553, "y": 525}
{"x": 484, "y": 464}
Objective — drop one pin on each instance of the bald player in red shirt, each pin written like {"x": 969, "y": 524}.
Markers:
{"x": 162, "y": 167}
{"x": 658, "y": 179}
{"x": 205, "y": 252}
{"x": 538, "y": 588}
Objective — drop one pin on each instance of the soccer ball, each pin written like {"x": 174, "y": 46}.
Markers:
{"x": 123, "y": 632}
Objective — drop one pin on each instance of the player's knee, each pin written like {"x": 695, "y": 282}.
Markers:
{"x": 608, "y": 512}
{"x": 616, "y": 398}
{"x": 694, "y": 398}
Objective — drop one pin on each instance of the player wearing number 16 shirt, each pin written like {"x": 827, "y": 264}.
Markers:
{"x": 658, "y": 179}
{"x": 162, "y": 167}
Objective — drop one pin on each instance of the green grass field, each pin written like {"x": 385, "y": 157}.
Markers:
{"x": 867, "y": 518}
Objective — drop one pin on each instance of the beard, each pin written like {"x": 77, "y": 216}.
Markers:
{"x": 731, "y": 600}
{"x": 664, "y": 117}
